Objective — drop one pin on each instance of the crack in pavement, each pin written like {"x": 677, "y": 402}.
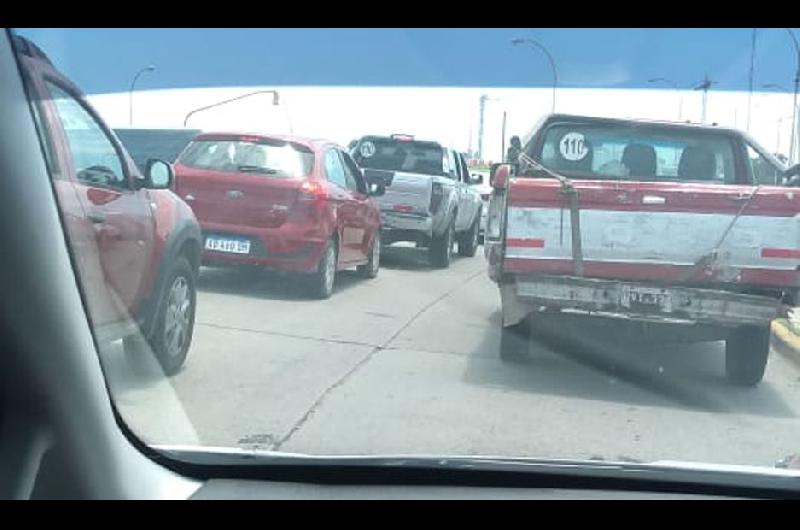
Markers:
{"x": 337, "y": 341}
{"x": 318, "y": 402}
{"x": 288, "y": 335}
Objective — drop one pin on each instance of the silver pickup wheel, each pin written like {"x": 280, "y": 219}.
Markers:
{"x": 468, "y": 241}
{"x": 441, "y": 249}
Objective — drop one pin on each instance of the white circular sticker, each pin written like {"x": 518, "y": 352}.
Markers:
{"x": 367, "y": 149}
{"x": 573, "y": 147}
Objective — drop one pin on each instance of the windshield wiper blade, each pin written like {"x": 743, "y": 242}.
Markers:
{"x": 256, "y": 169}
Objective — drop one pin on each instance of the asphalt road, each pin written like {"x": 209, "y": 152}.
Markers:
{"x": 407, "y": 364}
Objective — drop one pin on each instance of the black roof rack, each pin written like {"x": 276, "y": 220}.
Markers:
{"x": 26, "y": 47}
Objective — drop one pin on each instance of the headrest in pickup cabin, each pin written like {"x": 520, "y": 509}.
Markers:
{"x": 640, "y": 159}
{"x": 697, "y": 163}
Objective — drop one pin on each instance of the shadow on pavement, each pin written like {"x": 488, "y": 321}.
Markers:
{"x": 262, "y": 283}
{"x": 602, "y": 366}
{"x": 410, "y": 258}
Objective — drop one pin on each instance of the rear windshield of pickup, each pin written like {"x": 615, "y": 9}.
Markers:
{"x": 642, "y": 153}
{"x": 400, "y": 155}
{"x": 259, "y": 156}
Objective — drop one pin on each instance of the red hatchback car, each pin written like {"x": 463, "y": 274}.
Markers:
{"x": 281, "y": 202}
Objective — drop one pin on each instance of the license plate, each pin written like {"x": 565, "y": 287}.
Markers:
{"x": 234, "y": 246}
{"x": 646, "y": 298}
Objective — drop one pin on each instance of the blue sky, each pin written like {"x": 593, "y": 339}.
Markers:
{"x": 105, "y": 60}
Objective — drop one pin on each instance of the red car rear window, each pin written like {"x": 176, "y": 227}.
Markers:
{"x": 257, "y": 156}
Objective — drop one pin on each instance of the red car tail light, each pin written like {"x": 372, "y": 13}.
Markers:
{"x": 313, "y": 190}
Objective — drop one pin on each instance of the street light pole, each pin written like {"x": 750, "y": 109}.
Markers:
{"x": 275, "y": 99}
{"x": 149, "y": 68}
{"x": 704, "y": 85}
{"x": 750, "y": 83}
{"x": 675, "y": 86}
{"x": 541, "y": 47}
{"x": 794, "y": 99}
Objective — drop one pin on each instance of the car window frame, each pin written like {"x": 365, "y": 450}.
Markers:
{"x": 71, "y": 168}
{"x": 350, "y": 167}
{"x": 333, "y": 151}
{"x": 748, "y": 163}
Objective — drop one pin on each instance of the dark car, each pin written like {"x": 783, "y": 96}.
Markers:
{"x": 164, "y": 144}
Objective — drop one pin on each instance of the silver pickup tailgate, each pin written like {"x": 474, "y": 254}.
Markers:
{"x": 408, "y": 193}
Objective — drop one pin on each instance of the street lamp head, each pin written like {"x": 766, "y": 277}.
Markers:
{"x": 150, "y": 68}
{"x": 517, "y": 41}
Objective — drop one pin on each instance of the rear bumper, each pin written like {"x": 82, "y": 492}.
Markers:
{"x": 636, "y": 301}
{"x": 399, "y": 226}
{"x": 289, "y": 247}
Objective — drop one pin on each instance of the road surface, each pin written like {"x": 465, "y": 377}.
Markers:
{"x": 407, "y": 364}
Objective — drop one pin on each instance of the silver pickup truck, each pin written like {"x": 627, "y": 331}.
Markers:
{"x": 429, "y": 199}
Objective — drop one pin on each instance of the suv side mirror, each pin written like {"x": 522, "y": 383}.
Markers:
{"x": 477, "y": 178}
{"x": 158, "y": 175}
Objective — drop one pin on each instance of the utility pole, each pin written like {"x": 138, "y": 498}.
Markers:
{"x": 750, "y": 83}
{"x": 503, "y": 147}
{"x": 704, "y": 85}
{"x": 483, "y": 99}
{"x": 792, "y": 150}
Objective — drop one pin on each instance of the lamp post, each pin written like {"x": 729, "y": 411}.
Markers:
{"x": 539, "y": 46}
{"x": 275, "y": 100}
{"x": 483, "y": 99}
{"x": 794, "y": 98}
{"x": 149, "y": 68}
{"x": 704, "y": 85}
{"x": 750, "y": 76}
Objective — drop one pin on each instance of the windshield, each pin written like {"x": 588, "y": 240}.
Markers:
{"x": 400, "y": 155}
{"x": 348, "y": 277}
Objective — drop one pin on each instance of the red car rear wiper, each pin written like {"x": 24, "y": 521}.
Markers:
{"x": 256, "y": 169}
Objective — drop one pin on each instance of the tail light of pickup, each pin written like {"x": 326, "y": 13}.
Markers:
{"x": 437, "y": 195}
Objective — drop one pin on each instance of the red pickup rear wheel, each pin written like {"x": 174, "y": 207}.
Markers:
{"x": 514, "y": 341}
{"x": 746, "y": 352}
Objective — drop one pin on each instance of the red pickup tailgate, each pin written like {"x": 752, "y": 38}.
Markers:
{"x": 656, "y": 231}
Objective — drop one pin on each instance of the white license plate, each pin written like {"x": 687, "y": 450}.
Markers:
{"x": 234, "y": 246}
{"x": 653, "y": 297}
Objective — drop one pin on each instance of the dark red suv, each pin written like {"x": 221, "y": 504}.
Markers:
{"x": 281, "y": 202}
{"x": 135, "y": 243}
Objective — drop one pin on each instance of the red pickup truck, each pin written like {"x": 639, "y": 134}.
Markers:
{"x": 135, "y": 244}
{"x": 681, "y": 227}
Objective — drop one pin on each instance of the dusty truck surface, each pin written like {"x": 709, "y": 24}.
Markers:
{"x": 689, "y": 229}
